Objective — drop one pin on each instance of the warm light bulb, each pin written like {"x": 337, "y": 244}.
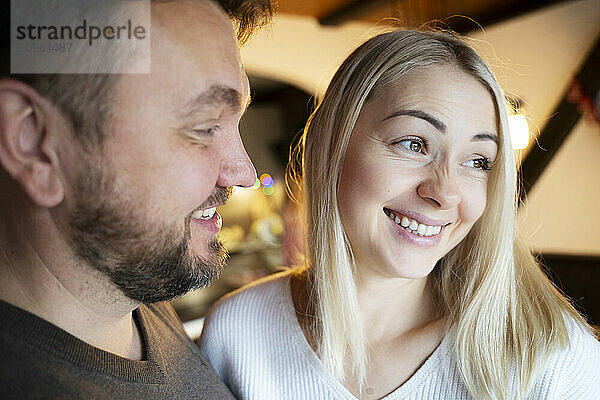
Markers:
{"x": 519, "y": 131}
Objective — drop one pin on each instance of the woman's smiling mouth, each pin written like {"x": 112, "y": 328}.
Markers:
{"x": 413, "y": 226}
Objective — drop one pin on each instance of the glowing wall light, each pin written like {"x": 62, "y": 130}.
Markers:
{"x": 519, "y": 131}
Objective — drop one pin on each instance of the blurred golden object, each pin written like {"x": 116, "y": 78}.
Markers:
{"x": 232, "y": 236}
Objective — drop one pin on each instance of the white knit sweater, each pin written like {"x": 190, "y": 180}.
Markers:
{"x": 254, "y": 342}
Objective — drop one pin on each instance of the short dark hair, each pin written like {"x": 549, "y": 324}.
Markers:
{"x": 248, "y": 16}
{"x": 86, "y": 98}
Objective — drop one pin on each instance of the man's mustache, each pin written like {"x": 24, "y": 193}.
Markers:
{"x": 219, "y": 196}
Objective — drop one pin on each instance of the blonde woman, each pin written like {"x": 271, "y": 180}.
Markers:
{"x": 415, "y": 285}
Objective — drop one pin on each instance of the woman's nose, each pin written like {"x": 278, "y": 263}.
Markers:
{"x": 441, "y": 191}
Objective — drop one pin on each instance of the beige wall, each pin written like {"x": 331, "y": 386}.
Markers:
{"x": 534, "y": 56}
{"x": 562, "y": 214}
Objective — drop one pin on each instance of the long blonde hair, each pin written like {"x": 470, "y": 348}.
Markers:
{"x": 504, "y": 313}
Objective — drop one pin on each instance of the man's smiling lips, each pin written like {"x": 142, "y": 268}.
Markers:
{"x": 208, "y": 218}
{"x": 205, "y": 214}
{"x": 208, "y": 209}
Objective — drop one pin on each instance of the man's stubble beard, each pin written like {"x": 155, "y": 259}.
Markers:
{"x": 146, "y": 261}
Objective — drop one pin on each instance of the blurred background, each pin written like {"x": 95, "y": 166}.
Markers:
{"x": 546, "y": 57}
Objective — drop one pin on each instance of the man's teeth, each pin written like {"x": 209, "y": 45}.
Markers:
{"x": 414, "y": 226}
{"x": 204, "y": 214}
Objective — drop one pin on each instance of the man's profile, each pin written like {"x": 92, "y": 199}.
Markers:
{"x": 109, "y": 189}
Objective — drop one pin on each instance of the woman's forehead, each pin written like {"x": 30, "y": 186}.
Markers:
{"x": 445, "y": 91}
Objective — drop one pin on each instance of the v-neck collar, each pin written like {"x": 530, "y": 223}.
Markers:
{"x": 430, "y": 366}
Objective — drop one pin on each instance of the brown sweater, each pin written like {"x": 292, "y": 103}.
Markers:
{"x": 38, "y": 360}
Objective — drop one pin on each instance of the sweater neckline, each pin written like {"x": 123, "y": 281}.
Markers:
{"x": 57, "y": 342}
{"x": 430, "y": 366}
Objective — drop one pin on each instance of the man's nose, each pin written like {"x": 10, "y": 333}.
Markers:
{"x": 441, "y": 190}
{"x": 236, "y": 168}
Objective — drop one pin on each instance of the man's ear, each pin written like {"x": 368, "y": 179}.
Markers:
{"x": 27, "y": 149}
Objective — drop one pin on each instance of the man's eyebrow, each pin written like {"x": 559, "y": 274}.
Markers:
{"x": 437, "y": 124}
{"x": 216, "y": 95}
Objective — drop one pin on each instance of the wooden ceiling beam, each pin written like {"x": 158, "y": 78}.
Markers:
{"x": 353, "y": 9}
{"x": 497, "y": 14}
{"x": 357, "y": 9}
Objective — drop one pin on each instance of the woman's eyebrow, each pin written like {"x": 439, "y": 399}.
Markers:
{"x": 440, "y": 126}
{"x": 485, "y": 136}
{"x": 437, "y": 124}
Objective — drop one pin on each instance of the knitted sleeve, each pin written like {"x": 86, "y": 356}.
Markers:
{"x": 573, "y": 373}
{"x": 213, "y": 342}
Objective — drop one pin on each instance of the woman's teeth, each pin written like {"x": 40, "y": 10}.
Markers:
{"x": 204, "y": 214}
{"x": 413, "y": 226}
